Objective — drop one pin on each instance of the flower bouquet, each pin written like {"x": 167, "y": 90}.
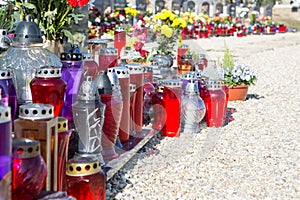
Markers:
{"x": 53, "y": 16}
{"x": 168, "y": 28}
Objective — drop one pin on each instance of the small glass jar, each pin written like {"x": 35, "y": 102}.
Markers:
{"x": 49, "y": 88}
{"x": 85, "y": 178}
{"x": 186, "y": 64}
{"x": 108, "y": 58}
{"x": 29, "y": 169}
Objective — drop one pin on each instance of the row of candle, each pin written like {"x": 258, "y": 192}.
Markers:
{"x": 42, "y": 163}
{"x": 105, "y": 104}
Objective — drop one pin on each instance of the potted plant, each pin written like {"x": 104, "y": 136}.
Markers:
{"x": 238, "y": 77}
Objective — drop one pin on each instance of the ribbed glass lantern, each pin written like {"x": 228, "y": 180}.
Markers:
{"x": 25, "y": 56}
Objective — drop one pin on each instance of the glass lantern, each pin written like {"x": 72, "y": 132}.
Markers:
{"x": 25, "y": 56}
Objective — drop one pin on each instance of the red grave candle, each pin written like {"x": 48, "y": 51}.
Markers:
{"x": 29, "y": 170}
{"x": 181, "y": 51}
{"x": 90, "y": 66}
{"x": 49, "y": 88}
{"x": 108, "y": 57}
{"x": 131, "y": 110}
{"x": 124, "y": 81}
{"x": 119, "y": 39}
{"x": 172, "y": 103}
{"x": 111, "y": 125}
{"x": 215, "y": 99}
{"x": 225, "y": 88}
{"x": 85, "y": 178}
{"x": 158, "y": 109}
{"x": 62, "y": 154}
{"x": 136, "y": 72}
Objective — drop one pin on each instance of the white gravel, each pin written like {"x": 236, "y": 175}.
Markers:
{"x": 256, "y": 156}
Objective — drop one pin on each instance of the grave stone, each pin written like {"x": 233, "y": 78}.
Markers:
{"x": 120, "y": 4}
{"x": 189, "y": 6}
{"x": 141, "y": 5}
{"x": 268, "y": 11}
{"x": 159, "y": 5}
{"x": 219, "y": 8}
{"x": 232, "y": 10}
{"x": 205, "y": 8}
{"x": 176, "y": 5}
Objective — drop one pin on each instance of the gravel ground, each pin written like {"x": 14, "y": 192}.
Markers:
{"x": 255, "y": 156}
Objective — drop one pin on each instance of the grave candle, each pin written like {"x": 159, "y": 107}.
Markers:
{"x": 85, "y": 178}
{"x": 49, "y": 88}
{"x": 172, "y": 103}
{"x": 29, "y": 169}
{"x": 214, "y": 99}
{"x": 136, "y": 72}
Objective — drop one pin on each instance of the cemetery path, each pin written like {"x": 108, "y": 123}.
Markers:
{"x": 256, "y": 155}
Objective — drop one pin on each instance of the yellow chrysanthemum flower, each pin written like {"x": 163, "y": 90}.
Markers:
{"x": 176, "y": 23}
{"x": 163, "y": 16}
{"x": 185, "y": 18}
{"x": 182, "y": 22}
{"x": 134, "y": 12}
{"x": 157, "y": 16}
{"x": 164, "y": 27}
{"x": 168, "y": 32}
{"x": 156, "y": 27}
{"x": 172, "y": 17}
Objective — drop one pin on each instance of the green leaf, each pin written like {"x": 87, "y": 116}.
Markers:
{"x": 68, "y": 34}
{"x": 29, "y": 6}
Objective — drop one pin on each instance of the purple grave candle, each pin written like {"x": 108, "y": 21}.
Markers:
{"x": 8, "y": 91}
{"x": 5, "y": 131}
{"x": 72, "y": 73}
{"x": 5, "y": 152}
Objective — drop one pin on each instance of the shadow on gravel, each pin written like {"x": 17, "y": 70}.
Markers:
{"x": 118, "y": 182}
{"x": 229, "y": 118}
{"x": 254, "y": 96}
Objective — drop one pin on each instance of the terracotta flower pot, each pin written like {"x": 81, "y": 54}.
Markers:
{"x": 238, "y": 93}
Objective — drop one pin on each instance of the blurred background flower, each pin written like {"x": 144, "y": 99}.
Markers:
{"x": 168, "y": 28}
{"x": 53, "y": 16}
